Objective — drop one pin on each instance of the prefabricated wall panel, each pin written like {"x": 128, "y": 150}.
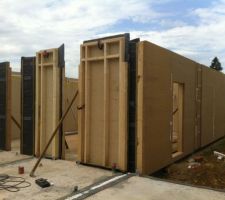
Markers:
{"x": 5, "y": 106}
{"x": 158, "y": 69}
{"x": 48, "y": 101}
{"x": 213, "y": 106}
{"x": 16, "y": 104}
{"x": 103, "y": 92}
{"x": 28, "y": 66}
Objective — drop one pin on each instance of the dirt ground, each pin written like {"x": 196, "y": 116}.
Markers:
{"x": 208, "y": 171}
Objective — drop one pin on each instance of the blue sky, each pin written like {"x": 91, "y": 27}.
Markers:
{"x": 193, "y": 28}
{"x": 172, "y": 11}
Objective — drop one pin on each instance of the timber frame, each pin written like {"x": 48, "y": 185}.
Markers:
{"x": 50, "y": 74}
{"x": 104, "y": 102}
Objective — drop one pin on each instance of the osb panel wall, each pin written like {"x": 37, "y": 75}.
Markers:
{"x": 16, "y": 104}
{"x": 213, "y": 106}
{"x": 71, "y": 120}
{"x": 153, "y": 108}
{"x": 157, "y": 69}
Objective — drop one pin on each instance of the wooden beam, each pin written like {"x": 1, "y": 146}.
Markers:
{"x": 16, "y": 122}
{"x": 106, "y": 108}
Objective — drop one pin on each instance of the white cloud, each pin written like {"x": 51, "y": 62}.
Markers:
{"x": 29, "y": 26}
{"x": 201, "y": 42}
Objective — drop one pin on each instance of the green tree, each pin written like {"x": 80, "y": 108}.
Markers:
{"x": 216, "y": 64}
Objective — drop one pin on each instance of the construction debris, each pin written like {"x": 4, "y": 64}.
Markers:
{"x": 194, "y": 165}
{"x": 208, "y": 172}
{"x": 219, "y": 155}
{"x": 43, "y": 183}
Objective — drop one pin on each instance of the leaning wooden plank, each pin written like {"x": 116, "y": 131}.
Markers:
{"x": 52, "y": 135}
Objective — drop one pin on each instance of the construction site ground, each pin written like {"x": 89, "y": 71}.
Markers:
{"x": 65, "y": 175}
{"x": 201, "y": 169}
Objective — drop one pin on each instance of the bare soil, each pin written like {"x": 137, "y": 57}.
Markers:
{"x": 209, "y": 171}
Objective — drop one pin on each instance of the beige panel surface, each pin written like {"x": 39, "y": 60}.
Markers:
{"x": 154, "y": 85}
{"x": 16, "y": 104}
{"x": 213, "y": 107}
{"x": 96, "y": 116}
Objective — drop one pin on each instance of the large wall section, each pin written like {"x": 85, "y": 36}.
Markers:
{"x": 203, "y": 106}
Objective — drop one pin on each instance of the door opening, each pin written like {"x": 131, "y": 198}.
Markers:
{"x": 177, "y": 132}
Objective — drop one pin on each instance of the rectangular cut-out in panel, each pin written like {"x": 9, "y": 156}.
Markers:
{"x": 5, "y": 106}
{"x": 103, "y": 103}
{"x": 177, "y": 132}
{"x": 49, "y": 76}
{"x": 28, "y": 67}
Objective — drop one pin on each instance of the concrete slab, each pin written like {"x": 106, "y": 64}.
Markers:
{"x": 139, "y": 188}
{"x": 15, "y": 145}
{"x": 64, "y": 174}
{"x": 7, "y": 157}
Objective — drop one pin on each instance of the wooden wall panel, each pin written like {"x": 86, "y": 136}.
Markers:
{"x": 47, "y": 101}
{"x": 158, "y": 69}
{"x": 154, "y": 108}
{"x": 203, "y": 111}
{"x": 103, "y": 93}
